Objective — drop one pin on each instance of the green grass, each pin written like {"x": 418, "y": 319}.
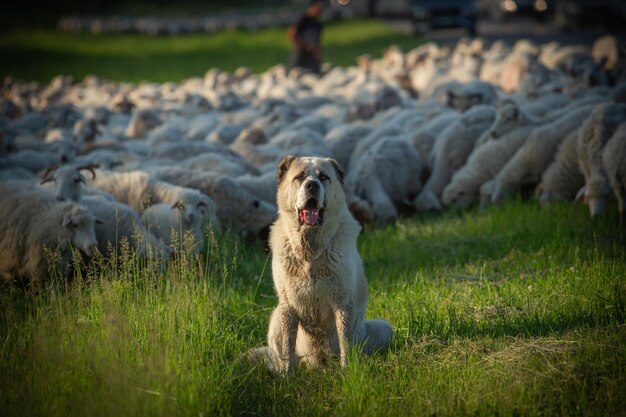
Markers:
{"x": 509, "y": 311}
{"x": 42, "y": 54}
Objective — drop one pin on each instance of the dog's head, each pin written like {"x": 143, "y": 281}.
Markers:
{"x": 310, "y": 190}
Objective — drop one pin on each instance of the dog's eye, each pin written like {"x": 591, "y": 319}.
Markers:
{"x": 323, "y": 177}
{"x": 300, "y": 176}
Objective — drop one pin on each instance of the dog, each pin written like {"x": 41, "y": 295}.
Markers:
{"x": 317, "y": 271}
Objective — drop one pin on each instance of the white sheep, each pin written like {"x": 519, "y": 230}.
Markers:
{"x": 168, "y": 221}
{"x": 183, "y": 150}
{"x": 450, "y": 152}
{"x": 242, "y": 210}
{"x": 534, "y": 157}
{"x": 118, "y": 222}
{"x": 342, "y": 139}
{"x": 142, "y": 122}
{"x": 139, "y": 190}
{"x": 388, "y": 174}
{"x": 226, "y": 163}
{"x": 423, "y": 139}
{"x": 264, "y": 186}
{"x": 37, "y": 234}
{"x": 476, "y": 92}
{"x": 614, "y": 163}
{"x": 595, "y": 133}
{"x": 563, "y": 178}
{"x": 483, "y": 164}
{"x": 67, "y": 181}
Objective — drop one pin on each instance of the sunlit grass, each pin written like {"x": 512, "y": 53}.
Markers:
{"x": 508, "y": 311}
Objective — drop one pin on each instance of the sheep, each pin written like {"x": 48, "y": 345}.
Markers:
{"x": 166, "y": 221}
{"x": 37, "y": 234}
{"x": 596, "y": 131}
{"x": 510, "y": 116}
{"x": 342, "y": 140}
{"x": 473, "y": 93}
{"x": 67, "y": 181}
{"x": 450, "y": 151}
{"x": 423, "y": 139}
{"x": 141, "y": 123}
{"x": 236, "y": 206}
{"x": 614, "y": 164}
{"x": 385, "y": 176}
{"x": 139, "y": 190}
{"x": 563, "y": 178}
{"x": 534, "y": 157}
{"x": 264, "y": 186}
{"x": 118, "y": 222}
{"x": 227, "y": 163}
{"x": 179, "y": 151}
{"x": 483, "y": 164}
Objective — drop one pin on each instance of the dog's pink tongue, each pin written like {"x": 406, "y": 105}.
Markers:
{"x": 310, "y": 216}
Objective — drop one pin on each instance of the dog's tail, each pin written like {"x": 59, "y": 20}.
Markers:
{"x": 260, "y": 356}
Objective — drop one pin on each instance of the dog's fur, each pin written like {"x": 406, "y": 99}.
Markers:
{"x": 318, "y": 274}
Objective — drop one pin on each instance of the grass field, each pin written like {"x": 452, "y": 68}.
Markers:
{"x": 42, "y": 54}
{"x": 509, "y": 311}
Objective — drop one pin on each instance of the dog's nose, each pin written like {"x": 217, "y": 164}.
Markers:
{"x": 312, "y": 186}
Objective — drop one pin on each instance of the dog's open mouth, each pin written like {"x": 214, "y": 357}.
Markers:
{"x": 310, "y": 214}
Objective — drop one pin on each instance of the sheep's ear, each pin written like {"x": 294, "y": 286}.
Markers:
{"x": 67, "y": 220}
{"x": 283, "y": 167}
{"x": 451, "y": 98}
{"x": 580, "y": 194}
{"x": 338, "y": 169}
{"x": 46, "y": 175}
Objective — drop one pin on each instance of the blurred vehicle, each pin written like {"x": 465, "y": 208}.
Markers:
{"x": 501, "y": 10}
{"x": 574, "y": 14}
{"x": 430, "y": 14}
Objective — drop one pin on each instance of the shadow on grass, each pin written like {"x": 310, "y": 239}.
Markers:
{"x": 452, "y": 324}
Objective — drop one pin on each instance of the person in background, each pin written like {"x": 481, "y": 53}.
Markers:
{"x": 305, "y": 36}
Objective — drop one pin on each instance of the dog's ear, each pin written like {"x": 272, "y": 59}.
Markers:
{"x": 284, "y": 166}
{"x": 338, "y": 169}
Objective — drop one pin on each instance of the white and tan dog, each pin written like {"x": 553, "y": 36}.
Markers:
{"x": 318, "y": 274}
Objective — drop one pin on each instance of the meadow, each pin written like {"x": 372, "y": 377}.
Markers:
{"x": 511, "y": 310}
{"x": 41, "y": 54}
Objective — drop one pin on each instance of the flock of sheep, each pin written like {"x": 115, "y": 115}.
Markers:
{"x": 92, "y": 164}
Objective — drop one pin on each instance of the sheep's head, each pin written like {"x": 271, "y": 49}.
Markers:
{"x": 195, "y": 208}
{"x": 458, "y": 194}
{"x": 596, "y": 195}
{"x": 507, "y": 119}
{"x": 463, "y": 101}
{"x": 142, "y": 122}
{"x": 486, "y": 190}
{"x": 244, "y": 210}
{"x": 86, "y": 130}
{"x": 81, "y": 225}
{"x": 67, "y": 180}
{"x": 427, "y": 201}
